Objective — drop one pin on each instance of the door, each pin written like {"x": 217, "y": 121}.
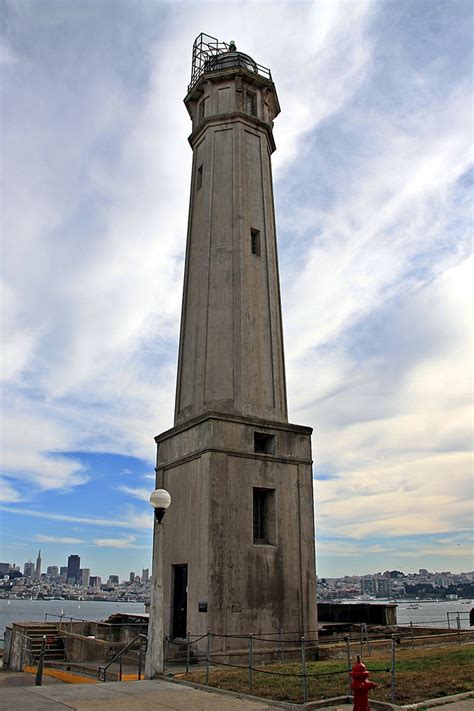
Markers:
{"x": 180, "y": 600}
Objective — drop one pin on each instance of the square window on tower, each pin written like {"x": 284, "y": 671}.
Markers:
{"x": 251, "y": 103}
{"x": 199, "y": 178}
{"x": 263, "y": 443}
{"x": 255, "y": 242}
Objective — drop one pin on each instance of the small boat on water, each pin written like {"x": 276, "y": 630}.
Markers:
{"x": 413, "y": 607}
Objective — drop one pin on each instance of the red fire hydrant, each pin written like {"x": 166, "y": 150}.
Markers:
{"x": 361, "y": 686}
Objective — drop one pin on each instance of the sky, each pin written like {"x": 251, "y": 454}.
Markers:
{"x": 373, "y": 176}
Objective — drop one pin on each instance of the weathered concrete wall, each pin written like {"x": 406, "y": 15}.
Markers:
{"x": 16, "y": 659}
{"x": 79, "y": 648}
{"x": 248, "y": 587}
{"x": 231, "y": 345}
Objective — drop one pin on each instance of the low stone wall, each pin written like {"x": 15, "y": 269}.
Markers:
{"x": 78, "y": 648}
{"x": 14, "y": 658}
{"x": 356, "y": 613}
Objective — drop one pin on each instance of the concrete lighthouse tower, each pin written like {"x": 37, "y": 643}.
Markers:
{"x": 239, "y": 535}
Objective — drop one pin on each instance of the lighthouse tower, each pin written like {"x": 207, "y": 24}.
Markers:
{"x": 239, "y": 536}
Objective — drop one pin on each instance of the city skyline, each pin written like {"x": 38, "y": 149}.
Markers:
{"x": 372, "y": 182}
{"x": 45, "y": 568}
{"x": 423, "y": 573}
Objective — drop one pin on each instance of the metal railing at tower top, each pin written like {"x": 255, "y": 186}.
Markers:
{"x": 205, "y": 52}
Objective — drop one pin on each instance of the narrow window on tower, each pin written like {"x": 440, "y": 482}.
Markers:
{"x": 199, "y": 177}
{"x": 264, "y": 516}
{"x": 202, "y": 109}
{"x": 255, "y": 242}
{"x": 251, "y": 103}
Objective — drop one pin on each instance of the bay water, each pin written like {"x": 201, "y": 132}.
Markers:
{"x": 35, "y": 610}
{"x": 420, "y": 612}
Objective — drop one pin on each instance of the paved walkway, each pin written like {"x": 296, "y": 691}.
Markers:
{"x": 18, "y": 693}
{"x": 156, "y": 695}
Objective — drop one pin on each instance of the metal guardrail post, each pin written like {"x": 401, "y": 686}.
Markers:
{"x": 458, "y": 622}
{"x": 208, "y": 656}
{"x": 166, "y": 645}
{"x": 282, "y": 647}
{"x": 140, "y": 649}
{"x": 303, "y": 664}
{"x": 412, "y": 635}
{"x": 39, "y": 670}
{"x": 393, "y": 671}
{"x": 449, "y": 622}
{"x": 120, "y": 667}
{"x": 188, "y": 651}
{"x": 250, "y": 656}
{"x": 348, "y": 652}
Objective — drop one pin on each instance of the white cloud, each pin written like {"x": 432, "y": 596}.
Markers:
{"x": 57, "y": 539}
{"x": 373, "y": 229}
{"x": 7, "y": 56}
{"x": 403, "y": 462}
{"x": 128, "y": 542}
{"x": 141, "y": 494}
{"x": 131, "y": 519}
{"x": 96, "y": 343}
{"x": 8, "y": 493}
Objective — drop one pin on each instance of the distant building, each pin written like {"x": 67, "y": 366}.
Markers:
{"x": 29, "y": 569}
{"x": 383, "y": 587}
{"x": 85, "y": 577}
{"x": 113, "y": 580}
{"x": 367, "y": 586}
{"x": 73, "y": 569}
{"x": 5, "y": 568}
{"x": 52, "y": 570}
{"x": 38, "y": 566}
{"x": 63, "y": 572}
{"x": 95, "y": 581}
{"x": 145, "y": 575}
{"x": 132, "y": 577}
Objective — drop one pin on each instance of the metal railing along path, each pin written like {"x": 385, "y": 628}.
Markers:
{"x": 118, "y": 658}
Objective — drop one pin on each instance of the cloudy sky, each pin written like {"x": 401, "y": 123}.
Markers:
{"x": 372, "y": 181}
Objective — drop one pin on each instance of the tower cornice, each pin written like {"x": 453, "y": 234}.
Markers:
{"x": 230, "y": 118}
{"x": 250, "y": 77}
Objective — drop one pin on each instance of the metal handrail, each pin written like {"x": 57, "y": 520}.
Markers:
{"x": 102, "y": 671}
{"x": 207, "y": 48}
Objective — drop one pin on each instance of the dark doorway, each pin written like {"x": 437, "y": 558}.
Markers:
{"x": 180, "y": 599}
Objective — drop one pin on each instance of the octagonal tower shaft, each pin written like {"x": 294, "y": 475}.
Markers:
{"x": 231, "y": 346}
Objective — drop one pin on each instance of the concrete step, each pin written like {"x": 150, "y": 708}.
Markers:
{"x": 90, "y": 669}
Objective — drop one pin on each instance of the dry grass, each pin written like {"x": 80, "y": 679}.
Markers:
{"x": 421, "y": 674}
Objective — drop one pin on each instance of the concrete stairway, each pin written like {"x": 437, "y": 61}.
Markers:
{"x": 54, "y": 644}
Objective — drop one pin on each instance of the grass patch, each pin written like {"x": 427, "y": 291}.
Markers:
{"x": 421, "y": 674}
